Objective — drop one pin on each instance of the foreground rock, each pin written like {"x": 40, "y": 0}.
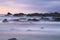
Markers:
{"x": 12, "y": 39}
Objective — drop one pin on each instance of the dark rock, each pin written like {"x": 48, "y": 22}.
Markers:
{"x": 8, "y": 14}
{"x": 15, "y": 20}
{"x": 33, "y": 20}
{"x": 19, "y": 14}
{"x": 5, "y": 20}
{"x": 12, "y": 39}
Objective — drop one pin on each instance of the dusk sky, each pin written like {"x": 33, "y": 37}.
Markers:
{"x": 29, "y": 6}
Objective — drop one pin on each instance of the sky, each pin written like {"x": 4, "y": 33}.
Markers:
{"x": 29, "y": 6}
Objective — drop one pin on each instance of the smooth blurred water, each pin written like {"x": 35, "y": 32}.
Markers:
{"x": 31, "y": 37}
{"x": 51, "y": 30}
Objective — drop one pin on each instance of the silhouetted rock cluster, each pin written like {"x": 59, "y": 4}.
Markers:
{"x": 19, "y": 14}
{"x": 55, "y": 15}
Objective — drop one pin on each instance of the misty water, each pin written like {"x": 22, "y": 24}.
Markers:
{"x": 29, "y": 30}
{"x": 20, "y": 31}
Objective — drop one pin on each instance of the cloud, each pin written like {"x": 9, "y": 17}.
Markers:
{"x": 28, "y": 6}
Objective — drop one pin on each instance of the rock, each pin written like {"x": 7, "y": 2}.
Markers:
{"x": 5, "y": 20}
{"x": 33, "y": 20}
{"x": 42, "y": 27}
{"x": 29, "y": 30}
{"x": 8, "y": 14}
{"x": 12, "y": 39}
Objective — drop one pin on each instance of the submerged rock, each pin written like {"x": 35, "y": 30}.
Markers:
{"x": 42, "y": 27}
{"x": 5, "y": 20}
{"x": 29, "y": 30}
{"x": 12, "y": 39}
{"x": 33, "y": 20}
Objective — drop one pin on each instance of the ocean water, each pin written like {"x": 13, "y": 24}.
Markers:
{"x": 29, "y": 31}
{"x": 20, "y": 31}
{"x": 32, "y": 36}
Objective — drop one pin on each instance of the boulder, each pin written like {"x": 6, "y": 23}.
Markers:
{"x": 12, "y": 39}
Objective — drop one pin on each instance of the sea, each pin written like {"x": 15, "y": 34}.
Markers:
{"x": 43, "y": 30}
